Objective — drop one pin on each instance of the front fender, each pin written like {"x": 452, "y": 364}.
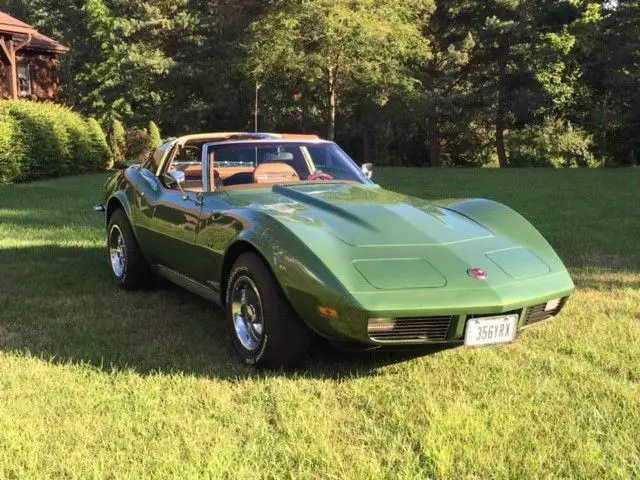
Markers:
{"x": 502, "y": 220}
{"x": 305, "y": 280}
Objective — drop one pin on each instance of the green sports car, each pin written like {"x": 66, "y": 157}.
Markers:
{"x": 292, "y": 239}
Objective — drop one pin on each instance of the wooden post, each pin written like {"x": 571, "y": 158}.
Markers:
{"x": 10, "y": 48}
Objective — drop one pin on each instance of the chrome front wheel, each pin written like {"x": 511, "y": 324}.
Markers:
{"x": 247, "y": 313}
{"x": 117, "y": 251}
{"x": 266, "y": 331}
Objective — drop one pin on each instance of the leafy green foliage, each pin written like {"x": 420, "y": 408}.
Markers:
{"x": 118, "y": 143}
{"x": 418, "y": 82}
{"x": 555, "y": 143}
{"x": 138, "y": 145}
{"x": 103, "y": 159}
{"x": 329, "y": 46}
{"x": 45, "y": 140}
{"x": 12, "y": 149}
{"x": 155, "y": 139}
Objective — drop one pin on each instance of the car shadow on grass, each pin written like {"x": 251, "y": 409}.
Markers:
{"x": 59, "y": 305}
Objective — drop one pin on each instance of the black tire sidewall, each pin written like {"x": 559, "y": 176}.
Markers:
{"x": 137, "y": 273}
{"x": 286, "y": 337}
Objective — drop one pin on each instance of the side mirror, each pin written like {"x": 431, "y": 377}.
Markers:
{"x": 367, "y": 169}
{"x": 174, "y": 179}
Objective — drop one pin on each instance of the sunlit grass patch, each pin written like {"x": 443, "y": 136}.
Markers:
{"x": 96, "y": 382}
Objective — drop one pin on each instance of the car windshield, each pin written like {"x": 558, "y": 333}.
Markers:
{"x": 244, "y": 163}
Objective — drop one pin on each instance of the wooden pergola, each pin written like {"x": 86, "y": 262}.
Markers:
{"x": 15, "y": 35}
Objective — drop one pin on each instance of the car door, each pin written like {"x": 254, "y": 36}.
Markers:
{"x": 167, "y": 220}
{"x": 175, "y": 218}
{"x": 215, "y": 232}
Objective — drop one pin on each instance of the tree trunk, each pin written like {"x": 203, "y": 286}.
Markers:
{"x": 501, "y": 107}
{"x": 331, "y": 130}
{"x": 366, "y": 146}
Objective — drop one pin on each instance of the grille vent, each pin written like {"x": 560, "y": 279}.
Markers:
{"x": 425, "y": 329}
{"x": 537, "y": 313}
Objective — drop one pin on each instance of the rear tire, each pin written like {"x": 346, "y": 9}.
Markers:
{"x": 266, "y": 330}
{"x": 129, "y": 268}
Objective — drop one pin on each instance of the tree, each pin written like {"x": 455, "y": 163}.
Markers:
{"x": 609, "y": 55}
{"x": 328, "y": 46}
{"x": 118, "y": 143}
{"x": 449, "y": 110}
{"x": 155, "y": 139}
{"x": 407, "y": 82}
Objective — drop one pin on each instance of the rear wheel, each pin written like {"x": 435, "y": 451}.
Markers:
{"x": 266, "y": 330}
{"x": 129, "y": 269}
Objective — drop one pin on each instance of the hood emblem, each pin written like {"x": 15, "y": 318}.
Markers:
{"x": 479, "y": 273}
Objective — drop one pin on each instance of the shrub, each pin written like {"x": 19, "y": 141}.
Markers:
{"x": 138, "y": 145}
{"x": 154, "y": 135}
{"x": 40, "y": 140}
{"x": 118, "y": 143}
{"x": 102, "y": 155}
{"x": 12, "y": 150}
{"x": 555, "y": 143}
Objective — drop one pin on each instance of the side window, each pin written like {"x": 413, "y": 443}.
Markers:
{"x": 154, "y": 163}
{"x": 188, "y": 159}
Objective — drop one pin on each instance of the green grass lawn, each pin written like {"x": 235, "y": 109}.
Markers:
{"x": 99, "y": 383}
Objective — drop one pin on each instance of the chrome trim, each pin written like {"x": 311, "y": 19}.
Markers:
{"x": 117, "y": 252}
{"x": 247, "y": 313}
{"x": 187, "y": 283}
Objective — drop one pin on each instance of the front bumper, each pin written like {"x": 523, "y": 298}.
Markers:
{"x": 433, "y": 316}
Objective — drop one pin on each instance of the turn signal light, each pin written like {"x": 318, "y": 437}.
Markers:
{"x": 328, "y": 312}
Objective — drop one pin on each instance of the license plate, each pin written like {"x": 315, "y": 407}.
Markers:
{"x": 490, "y": 330}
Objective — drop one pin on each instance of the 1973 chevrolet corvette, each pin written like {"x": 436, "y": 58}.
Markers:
{"x": 292, "y": 239}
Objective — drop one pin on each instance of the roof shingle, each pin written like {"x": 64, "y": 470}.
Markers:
{"x": 39, "y": 42}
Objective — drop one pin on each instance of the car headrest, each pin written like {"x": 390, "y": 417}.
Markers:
{"x": 278, "y": 157}
{"x": 275, "y": 173}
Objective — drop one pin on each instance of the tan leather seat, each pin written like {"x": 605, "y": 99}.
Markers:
{"x": 275, "y": 172}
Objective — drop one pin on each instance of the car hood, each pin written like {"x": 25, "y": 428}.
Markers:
{"x": 363, "y": 215}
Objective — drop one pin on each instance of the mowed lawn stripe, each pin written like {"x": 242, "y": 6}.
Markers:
{"x": 97, "y": 383}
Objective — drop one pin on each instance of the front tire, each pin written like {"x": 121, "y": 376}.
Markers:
{"x": 266, "y": 331}
{"x": 129, "y": 268}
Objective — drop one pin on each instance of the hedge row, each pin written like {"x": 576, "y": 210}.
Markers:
{"x": 42, "y": 140}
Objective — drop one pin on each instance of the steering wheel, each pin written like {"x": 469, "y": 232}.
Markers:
{"x": 319, "y": 176}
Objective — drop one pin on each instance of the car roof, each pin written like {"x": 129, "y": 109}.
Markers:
{"x": 245, "y": 137}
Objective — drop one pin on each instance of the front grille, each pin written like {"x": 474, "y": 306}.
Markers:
{"x": 425, "y": 329}
{"x": 537, "y": 313}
